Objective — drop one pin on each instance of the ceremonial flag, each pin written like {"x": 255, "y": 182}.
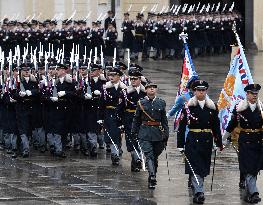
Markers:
{"x": 238, "y": 78}
{"x": 188, "y": 73}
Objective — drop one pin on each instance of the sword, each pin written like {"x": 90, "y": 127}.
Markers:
{"x": 191, "y": 167}
{"x": 213, "y": 171}
{"x": 143, "y": 163}
{"x": 112, "y": 141}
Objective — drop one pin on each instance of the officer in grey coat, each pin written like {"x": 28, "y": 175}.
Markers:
{"x": 150, "y": 127}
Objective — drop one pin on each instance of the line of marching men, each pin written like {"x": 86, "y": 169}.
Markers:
{"x": 156, "y": 37}
{"x": 46, "y": 107}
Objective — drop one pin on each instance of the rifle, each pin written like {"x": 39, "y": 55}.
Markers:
{"x": 114, "y": 58}
{"x": 87, "y": 81}
{"x": 101, "y": 56}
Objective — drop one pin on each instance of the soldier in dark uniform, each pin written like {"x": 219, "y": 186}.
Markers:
{"x": 112, "y": 92}
{"x": 139, "y": 28}
{"x": 248, "y": 115}
{"x": 126, "y": 111}
{"x": 26, "y": 109}
{"x": 81, "y": 112}
{"x": 126, "y": 28}
{"x": 9, "y": 112}
{"x": 110, "y": 40}
{"x": 109, "y": 19}
{"x": 200, "y": 114}
{"x": 150, "y": 127}
{"x": 59, "y": 109}
{"x": 94, "y": 87}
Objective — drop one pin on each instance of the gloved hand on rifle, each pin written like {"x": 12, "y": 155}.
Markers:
{"x": 181, "y": 150}
{"x": 22, "y": 94}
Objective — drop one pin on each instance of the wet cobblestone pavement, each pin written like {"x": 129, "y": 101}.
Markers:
{"x": 42, "y": 179}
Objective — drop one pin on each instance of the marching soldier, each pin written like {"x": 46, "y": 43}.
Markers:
{"x": 139, "y": 28}
{"x": 126, "y": 111}
{"x": 9, "y": 112}
{"x": 248, "y": 115}
{"x": 59, "y": 108}
{"x": 109, "y": 20}
{"x": 26, "y": 109}
{"x": 150, "y": 127}
{"x": 201, "y": 116}
{"x": 126, "y": 28}
{"x": 110, "y": 40}
{"x": 109, "y": 101}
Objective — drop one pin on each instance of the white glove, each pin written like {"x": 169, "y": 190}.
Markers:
{"x": 97, "y": 92}
{"x": 28, "y": 93}
{"x": 108, "y": 38}
{"x": 100, "y": 121}
{"x": 54, "y": 99}
{"x": 88, "y": 96}
{"x": 226, "y": 135}
{"x": 226, "y": 142}
{"x": 61, "y": 93}
{"x": 155, "y": 28}
{"x": 125, "y": 27}
{"x": 207, "y": 27}
{"x": 173, "y": 29}
{"x": 12, "y": 100}
{"x": 170, "y": 31}
{"x": 168, "y": 116}
{"x": 153, "y": 31}
{"x": 181, "y": 150}
{"x": 22, "y": 94}
{"x": 185, "y": 28}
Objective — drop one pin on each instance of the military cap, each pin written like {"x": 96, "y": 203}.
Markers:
{"x": 191, "y": 81}
{"x": 108, "y": 65}
{"x": 34, "y": 22}
{"x": 200, "y": 84}
{"x": 110, "y": 12}
{"x": 150, "y": 84}
{"x": 98, "y": 22}
{"x": 121, "y": 65}
{"x": 26, "y": 66}
{"x": 61, "y": 66}
{"x": 134, "y": 72}
{"x": 136, "y": 66}
{"x": 253, "y": 88}
{"x": 83, "y": 65}
{"x": 115, "y": 70}
{"x": 126, "y": 14}
{"x": 95, "y": 66}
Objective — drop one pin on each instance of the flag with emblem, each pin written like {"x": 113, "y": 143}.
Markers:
{"x": 238, "y": 78}
{"x": 188, "y": 70}
{"x": 188, "y": 73}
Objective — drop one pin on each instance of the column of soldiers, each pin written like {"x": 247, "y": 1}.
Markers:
{"x": 209, "y": 33}
{"x": 154, "y": 37}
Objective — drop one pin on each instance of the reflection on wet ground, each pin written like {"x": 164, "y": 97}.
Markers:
{"x": 43, "y": 179}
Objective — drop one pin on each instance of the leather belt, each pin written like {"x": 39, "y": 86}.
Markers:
{"x": 200, "y": 130}
{"x": 251, "y": 130}
{"x": 110, "y": 107}
{"x": 151, "y": 123}
{"x": 130, "y": 110}
{"x": 138, "y": 34}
